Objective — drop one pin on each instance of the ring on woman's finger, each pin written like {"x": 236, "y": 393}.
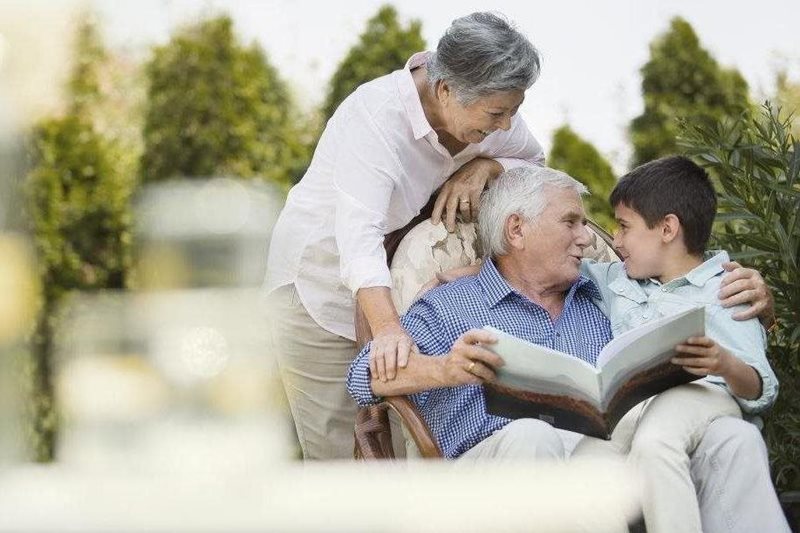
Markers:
{"x": 465, "y": 202}
{"x": 470, "y": 367}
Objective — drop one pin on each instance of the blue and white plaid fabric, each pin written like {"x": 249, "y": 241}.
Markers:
{"x": 457, "y": 415}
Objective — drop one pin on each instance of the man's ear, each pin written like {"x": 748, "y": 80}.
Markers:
{"x": 514, "y": 231}
{"x": 670, "y": 228}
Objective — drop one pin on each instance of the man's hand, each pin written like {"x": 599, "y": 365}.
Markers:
{"x": 447, "y": 276}
{"x": 468, "y": 362}
{"x": 745, "y": 285}
{"x": 462, "y": 192}
{"x": 389, "y": 351}
{"x": 702, "y": 356}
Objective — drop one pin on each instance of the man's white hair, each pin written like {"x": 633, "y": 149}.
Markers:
{"x": 517, "y": 191}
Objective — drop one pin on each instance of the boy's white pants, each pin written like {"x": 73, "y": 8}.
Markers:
{"x": 662, "y": 437}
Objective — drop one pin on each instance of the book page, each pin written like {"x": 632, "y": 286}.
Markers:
{"x": 533, "y": 367}
{"x": 645, "y": 347}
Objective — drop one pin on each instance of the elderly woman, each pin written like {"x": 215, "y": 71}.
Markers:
{"x": 447, "y": 120}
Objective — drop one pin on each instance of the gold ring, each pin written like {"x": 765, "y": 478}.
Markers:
{"x": 470, "y": 367}
{"x": 464, "y": 201}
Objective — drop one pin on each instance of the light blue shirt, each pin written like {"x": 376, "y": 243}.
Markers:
{"x": 629, "y": 303}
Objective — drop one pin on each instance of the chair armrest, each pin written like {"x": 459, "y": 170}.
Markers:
{"x": 416, "y": 426}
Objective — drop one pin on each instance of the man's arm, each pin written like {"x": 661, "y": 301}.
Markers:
{"x": 467, "y": 363}
{"x": 747, "y": 286}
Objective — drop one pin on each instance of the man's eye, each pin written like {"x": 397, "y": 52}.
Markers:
{"x": 496, "y": 114}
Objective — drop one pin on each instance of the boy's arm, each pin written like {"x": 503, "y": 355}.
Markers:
{"x": 747, "y": 341}
{"x": 703, "y": 356}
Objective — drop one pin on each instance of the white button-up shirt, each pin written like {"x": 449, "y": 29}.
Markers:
{"x": 376, "y": 165}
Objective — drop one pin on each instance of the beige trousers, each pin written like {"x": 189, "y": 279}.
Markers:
{"x": 660, "y": 435}
{"x": 313, "y": 365}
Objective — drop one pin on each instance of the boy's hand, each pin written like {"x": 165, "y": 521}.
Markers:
{"x": 702, "y": 356}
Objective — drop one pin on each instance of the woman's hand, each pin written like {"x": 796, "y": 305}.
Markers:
{"x": 462, "y": 192}
{"x": 746, "y": 286}
{"x": 468, "y": 362}
{"x": 389, "y": 351}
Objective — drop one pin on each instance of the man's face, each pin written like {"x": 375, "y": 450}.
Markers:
{"x": 556, "y": 239}
{"x": 639, "y": 246}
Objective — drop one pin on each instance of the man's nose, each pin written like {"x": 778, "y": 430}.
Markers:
{"x": 584, "y": 237}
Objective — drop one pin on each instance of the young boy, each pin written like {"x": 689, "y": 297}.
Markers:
{"x": 665, "y": 210}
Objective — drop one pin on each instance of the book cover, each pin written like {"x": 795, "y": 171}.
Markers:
{"x": 569, "y": 393}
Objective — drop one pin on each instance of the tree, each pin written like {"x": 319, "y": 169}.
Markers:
{"x": 384, "y": 46}
{"x": 581, "y": 160}
{"x": 788, "y": 98}
{"x": 216, "y": 107}
{"x": 681, "y": 81}
{"x": 755, "y": 162}
{"x": 78, "y": 200}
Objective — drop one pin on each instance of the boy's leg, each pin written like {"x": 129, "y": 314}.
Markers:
{"x": 668, "y": 431}
{"x": 730, "y": 469}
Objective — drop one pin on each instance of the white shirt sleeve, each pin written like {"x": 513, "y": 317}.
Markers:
{"x": 517, "y": 147}
{"x": 364, "y": 178}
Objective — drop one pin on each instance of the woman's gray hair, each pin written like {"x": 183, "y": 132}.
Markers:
{"x": 481, "y": 54}
{"x": 517, "y": 191}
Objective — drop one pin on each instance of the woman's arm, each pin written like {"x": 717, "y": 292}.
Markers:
{"x": 391, "y": 344}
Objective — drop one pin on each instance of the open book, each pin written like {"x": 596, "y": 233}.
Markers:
{"x": 569, "y": 393}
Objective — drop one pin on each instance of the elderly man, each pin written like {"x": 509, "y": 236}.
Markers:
{"x": 532, "y": 224}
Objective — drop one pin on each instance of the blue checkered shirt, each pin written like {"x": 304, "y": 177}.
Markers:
{"x": 457, "y": 415}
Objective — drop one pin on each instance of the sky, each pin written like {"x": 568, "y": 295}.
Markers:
{"x": 592, "y": 50}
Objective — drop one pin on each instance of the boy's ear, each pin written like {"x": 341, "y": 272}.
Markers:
{"x": 670, "y": 228}
{"x": 515, "y": 231}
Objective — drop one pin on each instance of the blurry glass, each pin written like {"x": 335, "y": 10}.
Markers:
{"x": 34, "y": 61}
{"x": 204, "y": 233}
{"x": 177, "y": 381}
{"x": 178, "y": 377}
{"x": 17, "y": 310}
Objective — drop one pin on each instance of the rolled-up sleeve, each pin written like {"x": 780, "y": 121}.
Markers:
{"x": 426, "y": 327}
{"x": 747, "y": 341}
{"x": 358, "y": 380}
{"x": 517, "y": 147}
{"x": 364, "y": 178}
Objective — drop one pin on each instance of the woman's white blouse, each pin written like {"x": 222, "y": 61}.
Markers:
{"x": 376, "y": 165}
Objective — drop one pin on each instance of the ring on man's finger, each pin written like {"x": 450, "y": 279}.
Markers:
{"x": 465, "y": 202}
{"x": 470, "y": 367}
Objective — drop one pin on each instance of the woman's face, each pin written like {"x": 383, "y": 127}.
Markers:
{"x": 473, "y": 122}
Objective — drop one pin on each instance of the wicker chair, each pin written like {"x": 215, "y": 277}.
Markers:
{"x": 415, "y": 254}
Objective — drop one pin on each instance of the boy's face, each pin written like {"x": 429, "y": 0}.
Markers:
{"x": 640, "y": 246}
